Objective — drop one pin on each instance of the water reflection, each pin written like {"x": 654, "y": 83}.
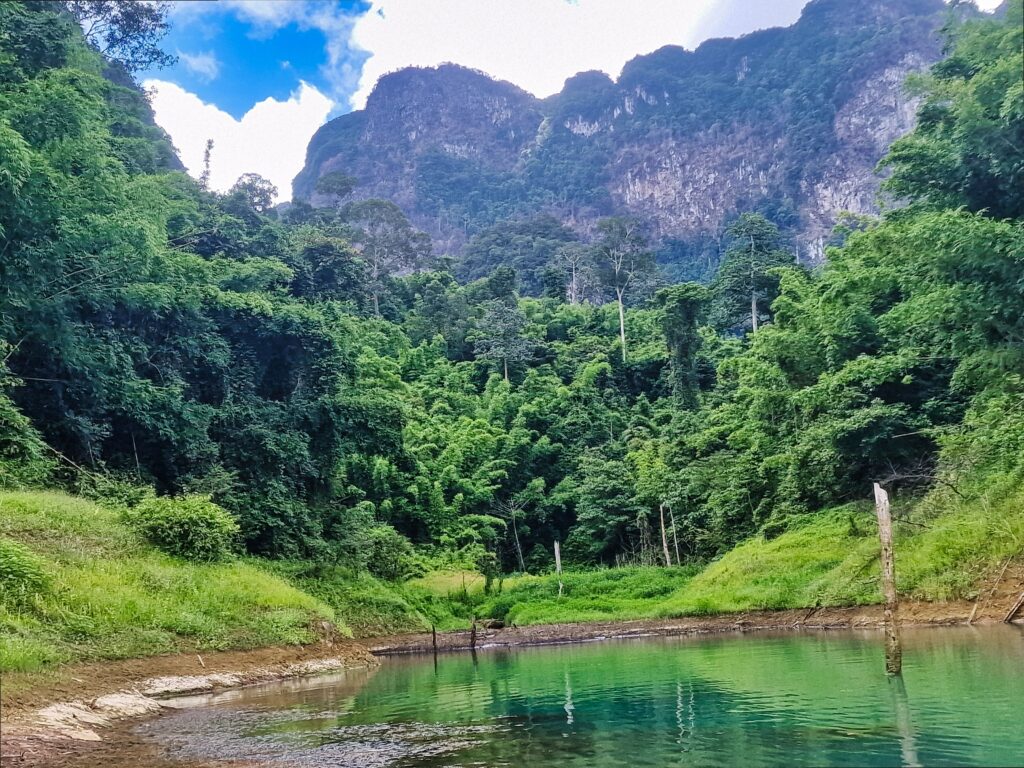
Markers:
{"x": 796, "y": 699}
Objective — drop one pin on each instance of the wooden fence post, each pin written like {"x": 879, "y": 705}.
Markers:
{"x": 893, "y": 648}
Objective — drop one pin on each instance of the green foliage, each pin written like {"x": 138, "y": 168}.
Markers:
{"x": 190, "y": 527}
{"x": 22, "y": 574}
{"x": 217, "y": 366}
{"x": 111, "y": 595}
{"x": 391, "y": 555}
{"x": 966, "y": 150}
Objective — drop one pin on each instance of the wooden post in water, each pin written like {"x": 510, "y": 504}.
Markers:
{"x": 472, "y": 635}
{"x": 893, "y": 648}
{"x": 664, "y": 536}
{"x": 558, "y": 566}
{"x": 433, "y": 637}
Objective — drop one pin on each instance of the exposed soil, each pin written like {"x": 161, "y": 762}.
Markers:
{"x": 81, "y": 714}
{"x": 28, "y": 739}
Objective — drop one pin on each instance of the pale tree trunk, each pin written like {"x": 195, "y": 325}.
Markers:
{"x": 519, "y": 547}
{"x": 753, "y": 291}
{"x": 505, "y": 361}
{"x": 622, "y": 324}
{"x": 664, "y": 536}
{"x": 675, "y": 535}
{"x": 375, "y": 274}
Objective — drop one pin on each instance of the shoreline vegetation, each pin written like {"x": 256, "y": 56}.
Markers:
{"x": 111, "y": 595}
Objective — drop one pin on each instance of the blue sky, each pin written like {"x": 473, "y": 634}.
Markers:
{"x": 260, "y": 76}
{"x": 234, "y": 59}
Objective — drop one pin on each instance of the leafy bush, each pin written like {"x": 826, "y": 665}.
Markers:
{"x": 391, "y": 554}
{"x": 22, "y": 573}
{"x": 113, "y": 491}
{"x": 190, "y": 527}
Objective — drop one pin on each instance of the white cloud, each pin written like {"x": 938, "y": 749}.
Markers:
{"x": 267, "y": 16}
{"x": 535, "y": 44}
{"x": 270, "y": 139}
{"x": 205, "y": 65}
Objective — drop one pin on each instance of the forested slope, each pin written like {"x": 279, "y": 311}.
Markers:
{"x": 306, "y": 386}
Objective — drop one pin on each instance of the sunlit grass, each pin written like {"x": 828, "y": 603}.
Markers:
{"x": 112, "y": 596}
{"x": 944, "y": 549}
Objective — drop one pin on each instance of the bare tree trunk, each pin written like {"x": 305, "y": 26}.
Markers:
{"x": 664, "y": 536}
{"x": 519, "y": 547}
{"x": 505, "y": 361}
{"x": 622, "y": 324}
{"x": 675, "y": 535}
{"x": 893, "y": 648}
{"x": 558, "y": 566}
{"x": 753, "y": 311}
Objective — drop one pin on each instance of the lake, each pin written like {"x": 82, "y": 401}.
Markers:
{"x": 740, "y": 699}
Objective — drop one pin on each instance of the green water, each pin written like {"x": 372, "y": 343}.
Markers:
{"x": 787, "y": 700}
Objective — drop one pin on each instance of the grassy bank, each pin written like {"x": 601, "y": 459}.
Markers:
{"x": 828, "y": 560}
{"x": 105, "y": 593}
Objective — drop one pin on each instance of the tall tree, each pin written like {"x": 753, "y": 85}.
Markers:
{"x": 387, "y": 241}
{"x": 126, "y": 32}
{"x": 624, "y": 263}
{"x": 681, "y": 307}
{"x": 575, "y": 261}
{"x": 501, "y": 337}
{"x": 745, "y": 285}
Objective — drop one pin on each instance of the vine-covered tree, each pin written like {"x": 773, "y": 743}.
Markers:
{"x": 387, "y": 241}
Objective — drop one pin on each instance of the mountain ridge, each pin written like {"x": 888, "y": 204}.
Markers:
{"x": 789, "y": 121}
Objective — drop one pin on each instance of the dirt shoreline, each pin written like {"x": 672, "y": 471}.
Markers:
{"x": 817, "y": 619}
{"x": 83, "y": 715}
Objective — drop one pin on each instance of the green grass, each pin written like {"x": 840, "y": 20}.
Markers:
{"x": 111, "y": 595}
{"x": 943, "y": 550}
{"x": 369, "y": 606}
{"x": 602, "y": 595}
{"x": 108, "y": 594}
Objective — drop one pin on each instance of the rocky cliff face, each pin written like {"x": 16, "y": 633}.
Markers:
{"x": 790, "y": 122}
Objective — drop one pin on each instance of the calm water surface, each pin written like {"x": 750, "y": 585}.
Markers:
{"x": 785, "y": 700}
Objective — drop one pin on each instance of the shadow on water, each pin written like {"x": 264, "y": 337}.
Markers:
{"x": 795, "y": 699}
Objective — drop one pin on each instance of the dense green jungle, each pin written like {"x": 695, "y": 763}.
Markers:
{"x": 223, "y": 421}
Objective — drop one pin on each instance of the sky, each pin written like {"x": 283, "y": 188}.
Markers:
{"x": 260, "y": 76}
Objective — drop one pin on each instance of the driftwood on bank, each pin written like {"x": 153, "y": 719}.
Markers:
{"x": 1014, "y": 608}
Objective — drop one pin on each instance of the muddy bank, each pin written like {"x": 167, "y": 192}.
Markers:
{"x": 861, "y": 617}
{"x": 80, "y": 715}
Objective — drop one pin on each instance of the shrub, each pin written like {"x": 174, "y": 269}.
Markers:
{"x": 22, "y": 573}
{"x": 190, "y": 527}
{"x": 390, "y": 553}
